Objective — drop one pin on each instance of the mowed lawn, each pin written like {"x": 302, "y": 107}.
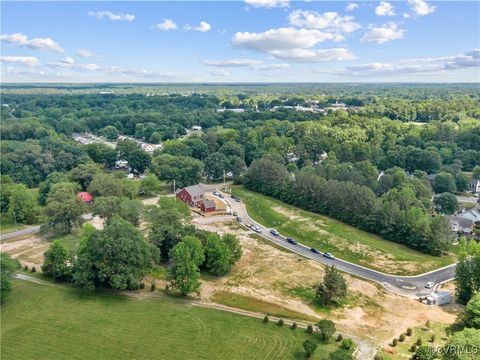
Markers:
{"x": 50, "y": 322}
{"x": 344, "y": 241}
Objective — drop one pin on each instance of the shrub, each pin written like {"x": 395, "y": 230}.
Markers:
{"x": 310, "y": 329}
{"x": 33, "y": 269}
{"x": 378, "y": 357}
{"x": 280, "y": 322}
{"x": 427, "y": 324}
{"x": 339, "y": 337}
{"x": 413, "y": 348}
{"x": 152, "y": 287}
{"x": 409, "y": 332}
{"x": 294, "y": 326}
{"x": 394, "y": 342}
{"x": 348, "y": 344}
{"x": 25, "y": 268}
{"x": 419, "y": 342}
{"x": 432, "y": 338}
{"x": 401, "y": 338}
{"x": 265, "y": 319}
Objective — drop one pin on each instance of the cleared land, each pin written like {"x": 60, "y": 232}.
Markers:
{"x": 346, "y": 242}
{"x": 106, "y": 326}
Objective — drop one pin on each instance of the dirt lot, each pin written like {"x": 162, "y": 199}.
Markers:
{"x": 28, "y": 251}
{"x": 272, "y": 275}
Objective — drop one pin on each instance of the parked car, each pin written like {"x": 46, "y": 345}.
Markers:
{"x": 239, "y": 219}
{"x": 237, "y": 199}
{"x": 234, "y": 213}
{"x": 430, "y": 285}
{"x": 328, "y": 255}
{"x": 292, "y": 241}
{"x": 221, "y": 196}
{"x": 314, "y": 251}
{"x": 274, "y": 232}
{"x": 216, "y": 193}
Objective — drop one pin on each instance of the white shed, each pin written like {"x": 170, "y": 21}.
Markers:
{"x": 439, "y": 298}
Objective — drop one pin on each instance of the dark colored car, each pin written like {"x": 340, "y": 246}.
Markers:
{"x": 292, "y": 241}
{"x": 315, "y": 251}
{"x": 239, "y": 219}
{"x": 328, "y": 255}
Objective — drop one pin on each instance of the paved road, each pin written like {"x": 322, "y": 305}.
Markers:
{"x": 27, "y": 231}
{"x": 413, "y": 286}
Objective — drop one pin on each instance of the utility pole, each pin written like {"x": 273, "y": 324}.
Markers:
{"x": 224, "y": 178}
{"x": 15, "y": 219}
{"x": 174, "y": 186}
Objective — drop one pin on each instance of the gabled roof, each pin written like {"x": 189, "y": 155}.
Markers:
{"x": 208, "y": 203}
{"x": 474, "y": 182}
{"x": 194, "y": 190}
{"x": 85, "y": 196}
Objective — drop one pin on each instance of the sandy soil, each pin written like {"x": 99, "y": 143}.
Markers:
{"x": 269, "y": 274}
{"x": 28, "y": 251}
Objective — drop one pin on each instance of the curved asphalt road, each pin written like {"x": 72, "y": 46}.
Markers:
{"x": 413, "y": 286}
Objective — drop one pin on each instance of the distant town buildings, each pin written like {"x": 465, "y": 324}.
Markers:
{"x": 235, "y": 110}
{"x": 463, "y": 222}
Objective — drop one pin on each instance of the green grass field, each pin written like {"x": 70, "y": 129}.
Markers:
{"x": 346, "y": 242}
{"x": 62, "y": 322}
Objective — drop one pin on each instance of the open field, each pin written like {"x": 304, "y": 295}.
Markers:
{"x": 346, "y": 242}
{"x": 49, "y": 322}
{"x": 266, "y": 276}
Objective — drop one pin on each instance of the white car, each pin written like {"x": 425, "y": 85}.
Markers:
{"x": 430, "y": 285}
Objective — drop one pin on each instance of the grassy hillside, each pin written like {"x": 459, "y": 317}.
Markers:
{"x": 345, "y": 241}
{"x": 50, "y": 322}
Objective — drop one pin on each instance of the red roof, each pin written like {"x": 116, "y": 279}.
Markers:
{"x": 85, "y": 196}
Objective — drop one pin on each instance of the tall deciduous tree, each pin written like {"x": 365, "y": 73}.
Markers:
{"x": 56, "y": 263}
{"x": 8, "y": 266}
{"x": 22, "y": 204}
{"x": 64, "y": 209}
{"x": 326, "y": 328}
{"x": 116, "y": 257}
{"x": 334, "y": 286}
{"x": 187, "y": 256}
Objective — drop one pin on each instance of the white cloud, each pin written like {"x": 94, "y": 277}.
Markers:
{"x": 203, "y": 27}
{"x": 219, "y": 72}
{"x": 249, "y": 63}
{"x": 315, "y": 55}
{"x": 112, "y": 16}
{"x": 267, "y": 3}
{"x": 406, "y": 15}
{"x": 29, "y": 61}
{"x": 20, "y": 40}
{"x": 292, "y": 44}
{"x": 384, "y": 9}
{"x": 351, "y": 7}
{"x": 69, "y": 63}
{"x": 328, "y": 21}
{"x": 468, "y": 59}
{"x": 166, "y": 24}
{"x": 383, "y": 33}
{"x": 84, "y": 53}
{"x": 142, "y": 73}
{"x": 421, "y": 7}
{"x": 425, "y": 66}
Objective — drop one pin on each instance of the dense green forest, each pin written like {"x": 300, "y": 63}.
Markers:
{"x": 365, "y": 164}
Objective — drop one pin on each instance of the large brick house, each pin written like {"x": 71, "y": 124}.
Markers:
{"x": 192, "y": 195}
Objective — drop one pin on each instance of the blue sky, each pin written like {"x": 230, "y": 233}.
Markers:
{"x": 240, "y": 41}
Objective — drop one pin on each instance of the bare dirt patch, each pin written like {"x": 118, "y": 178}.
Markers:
{"x": 267, "y": 273}
{"x": 28, "y": 251}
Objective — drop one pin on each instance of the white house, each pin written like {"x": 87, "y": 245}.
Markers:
{"x": 475, "y": 186}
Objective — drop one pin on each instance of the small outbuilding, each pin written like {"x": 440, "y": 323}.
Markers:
{"x": 86, "y": 197}
{"x": 207, "y": 206}
{"x": 439, "y": 298}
